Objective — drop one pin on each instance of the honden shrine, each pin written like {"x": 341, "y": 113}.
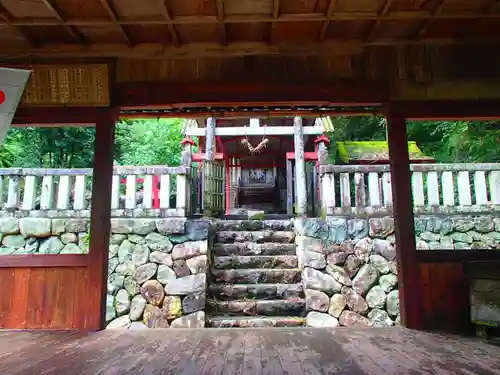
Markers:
{"x": 259, "y": 253}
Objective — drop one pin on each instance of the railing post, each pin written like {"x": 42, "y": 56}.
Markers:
{"x": 410, "y": 296}
{"x": 13, "y": 192}
{"x": 181, "y": 194}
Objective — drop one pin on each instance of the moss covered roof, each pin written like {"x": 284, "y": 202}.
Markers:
{"x": 350, "y": 152}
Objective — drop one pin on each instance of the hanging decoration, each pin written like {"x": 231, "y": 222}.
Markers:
{"x": 257, "y": 149}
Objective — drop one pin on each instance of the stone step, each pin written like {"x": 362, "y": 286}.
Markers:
{"x": 252, "y": 248}
{"x": 254, "y": 225}
{"x": 224, "y": 236}
{"x": 255, "y": 261}
{"x": 255, "y": 291}
{"x": 254, "y": 321}
{"x": 255, "y": 276}
{"x": 276, "y": 307}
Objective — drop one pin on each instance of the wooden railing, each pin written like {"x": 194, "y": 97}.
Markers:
{"x": 437, "y": 188}
{"x": 53, "y": 191}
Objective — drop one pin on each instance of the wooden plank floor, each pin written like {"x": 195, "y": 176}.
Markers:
{"x": 244, "y": 352}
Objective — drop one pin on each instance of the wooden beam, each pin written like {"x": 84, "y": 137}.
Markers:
{"x": 300, "y": 168}
{"x": 242, "y": 94}
{"x": 8, "y": 20}
{"x": 245, "y": 130}
{"x": 383, "y": 12}
{"x": 306, "y": 17}
{"x": 406, "y": 254}
{"x": 114, "y": 18}
{"x": 329, "y": 13}
{"x": 445, "y": 256}
{"x": 100, "y": 227}
{"x": 490, "y": 9}
{"x": 75, "y": 33}
{"x": 44, "y": 260}
{"x": 58, "y": 116}
{"x": 449, "y": 110}
{"x": 236, "y": 49}
{"x": 426, "y": 24}
{"x": 220, "y": 18}
{"x": 170, "y": 25}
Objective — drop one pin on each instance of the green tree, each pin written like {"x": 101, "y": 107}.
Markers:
{"x": 149, "y": 142}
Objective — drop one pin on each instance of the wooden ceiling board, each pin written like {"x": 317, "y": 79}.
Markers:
{"x": 405, "y": 5}
{"x": 398, "y": 29}
{"x": 241, "y": 7}
{"x": 445, "y": 28}
{"x": 288, "y": 32}
{"x": 27, "y": 9}
{"x": 101, "y": 34}
{"x": 482, "y": 28}
{"x": 303, "y": 6}
{"x": 138, "y": 9}
{"x": 192, "y": 8}
{"x": 49, "y": 35}
{"x": 80, "y": 8}
{"x": 359, "y": 5}
{"x": 202, "y": 33}
{"x": 348, "y": 30}
{"x": 248, "y": 32}
{"x": 148, "y": 34}
{"x": 464, "y": 5}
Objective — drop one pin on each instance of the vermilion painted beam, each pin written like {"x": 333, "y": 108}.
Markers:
{"x": 100, "y": 221}
{"x": 406, "y": 254}
{"x": 58, "y": 116}
{"x": 448, "y": 109}
{"x": 150, "y": 94}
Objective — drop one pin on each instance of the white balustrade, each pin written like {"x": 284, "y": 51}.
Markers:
{"x": 437, "y": 188}
{"x": 56, "y": 190}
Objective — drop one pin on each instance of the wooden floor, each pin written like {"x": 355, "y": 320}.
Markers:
{"x": 277, "y": 351}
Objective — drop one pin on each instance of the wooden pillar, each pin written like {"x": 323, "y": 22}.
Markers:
{"x": 300, "y": 168}
{"x": 410, "y": 297}
{"x": 210, "y": 138}
{"x": 100, "y": 226}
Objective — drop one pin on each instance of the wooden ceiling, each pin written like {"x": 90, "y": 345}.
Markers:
{"x": 229, "y": 28}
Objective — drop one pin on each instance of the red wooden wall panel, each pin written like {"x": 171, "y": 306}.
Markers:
{"x": 43, "y": 298}
{"x": 445, "y": 297}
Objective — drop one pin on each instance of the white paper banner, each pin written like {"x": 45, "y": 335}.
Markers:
{"x": 12, "y": 84}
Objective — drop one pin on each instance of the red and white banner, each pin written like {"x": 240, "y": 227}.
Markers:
{"x": 12, "y": 84}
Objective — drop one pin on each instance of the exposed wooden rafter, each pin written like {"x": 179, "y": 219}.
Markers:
{"x": 114, "y": 18}
{"x": 276, "y": 14}
{"x": 329, "y": 13}
{"x": 427, "y": 23}
{"x": 383, "y": 12}
{"x": 220, "y": 18}
{"x": 75, "y": 33}
{"x": 170, "y": 25}
{"x": 8, "y": 20}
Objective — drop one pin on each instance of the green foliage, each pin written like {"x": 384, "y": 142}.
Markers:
{"x": 149, "y": 142}
{"x": 446, "y": 141}
{"x": 69, "y": 147}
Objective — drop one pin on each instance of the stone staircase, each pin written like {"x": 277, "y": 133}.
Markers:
{"x": 255, "y": 280}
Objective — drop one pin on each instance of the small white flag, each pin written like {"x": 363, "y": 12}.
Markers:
{"x": 12, "y": 84}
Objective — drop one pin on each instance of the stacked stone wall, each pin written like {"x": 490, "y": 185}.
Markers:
{"x": 349, "y": 267}
{"x": 157, "y": 268}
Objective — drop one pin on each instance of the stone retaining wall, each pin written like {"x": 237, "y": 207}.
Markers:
{"x": 349, "y": 268}
{"x": 157, "y": 268}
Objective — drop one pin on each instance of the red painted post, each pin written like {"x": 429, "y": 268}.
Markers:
{"x": 156, "y": 192}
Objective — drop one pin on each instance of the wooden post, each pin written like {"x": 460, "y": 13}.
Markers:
{"x": 289, "y": 187}
{"x": 300, "y": 168}
{"x": 410, "y": 297}
{"x": 100, "y": 221}
{"x": 210, "y": 139}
